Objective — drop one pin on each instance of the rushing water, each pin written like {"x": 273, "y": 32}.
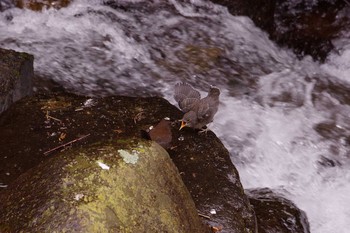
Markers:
{"x": 91, "y": 48}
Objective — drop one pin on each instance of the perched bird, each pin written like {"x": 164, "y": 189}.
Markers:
{"x": 198, "y": 112}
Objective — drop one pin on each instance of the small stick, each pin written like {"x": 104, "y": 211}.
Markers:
{"x": 66, "y": 144}
{"x": 51, "y": 117}
{"x": 204, "y": 216}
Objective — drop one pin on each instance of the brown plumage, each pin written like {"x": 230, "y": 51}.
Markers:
{"x": 198, "y": 112}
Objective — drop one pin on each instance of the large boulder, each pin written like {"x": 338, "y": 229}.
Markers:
{"x": 16, "y": 77}
{"x": 116, "y": 187}
{"x": 37, "y": 128}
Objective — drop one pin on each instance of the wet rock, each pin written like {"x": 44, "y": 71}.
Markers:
{"x": 39, "y": 5}
{"x": 331, "y": 97}
{"x": 5, "y": 4}
{"x": 16, "y": 71}
{"x": 327, "y": 162}
{"x": 205, "y": 166}
{"x": 279, "y": 91}
{"x": 37, "y": 128}
{"x": 308, "y": 27}
{"x": 329, "y": 130}
{"x": 335, "y": 89}
{"x": 114, "y": 187}
{"x": 261, "y": 12}
{"x": 277, "y": 214}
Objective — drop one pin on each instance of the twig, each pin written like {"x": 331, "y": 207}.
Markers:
{"x": 51, "y": 117}
{"x": 66, "y": 144}
{"x": 204, "y": 216}
{"x": 139, "y": 116}
{"x": 347, "y": 2}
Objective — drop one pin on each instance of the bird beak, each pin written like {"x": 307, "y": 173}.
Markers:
{"x": 183, "y": 124}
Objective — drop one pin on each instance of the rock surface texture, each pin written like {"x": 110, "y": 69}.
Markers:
{"x": 275, "y": 213}
{"x": 307, "y": 27}
{"x": 35, "y": 126}
{"x": 16, "y": 75}
{"x": 114, "y": 187}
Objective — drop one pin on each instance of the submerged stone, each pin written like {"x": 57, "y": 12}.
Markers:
{"x": 275, "y": 213}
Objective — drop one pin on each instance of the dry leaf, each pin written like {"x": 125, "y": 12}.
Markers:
{"x": 118, "y": 131}
{"x": 62, "y": 136}
{"x": 216, "y": 229}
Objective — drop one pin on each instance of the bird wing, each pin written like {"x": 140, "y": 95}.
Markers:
{"x": 203, "y": 110}
{"x": 188, "y": 103}
{"x": 208, "y": 106}
{"x": 186, "y": 96}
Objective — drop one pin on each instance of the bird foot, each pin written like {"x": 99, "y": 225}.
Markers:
{"x": 204, "y": 130}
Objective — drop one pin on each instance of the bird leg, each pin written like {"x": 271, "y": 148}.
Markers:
{"x": 205, "y": 130}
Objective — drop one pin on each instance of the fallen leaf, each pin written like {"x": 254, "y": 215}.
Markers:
{"x": 62, "y": 136}
{"x": 118, "y": 131}
{"x": 216, "y": 229}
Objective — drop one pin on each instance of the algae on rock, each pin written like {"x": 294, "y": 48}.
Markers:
{"x": 71, "y": 192}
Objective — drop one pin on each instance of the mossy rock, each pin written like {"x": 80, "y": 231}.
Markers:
{"x": 101, "y": 188}
{"x": 36, "y": 125}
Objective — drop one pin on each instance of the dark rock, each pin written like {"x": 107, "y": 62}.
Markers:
{"x": 34, "y": 126}
{"x": 115, "y": 187}
{"x": 331, "y": 96}
{"x": 16, "y": 74}
{"x": 213, "y": 180}
{"x": 334, "y": 87}
{"x": 277, "y": 214}
{"x": 307, "y": 27}
{"x": 5, "y": 4}
{"x": 327, "y": 162}
{"x": 261, "y": 12}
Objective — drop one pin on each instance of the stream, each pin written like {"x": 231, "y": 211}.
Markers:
{"x": 271, "y": 113}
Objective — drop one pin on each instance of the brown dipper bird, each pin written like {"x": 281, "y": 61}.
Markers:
{"x": 198, "y": 112}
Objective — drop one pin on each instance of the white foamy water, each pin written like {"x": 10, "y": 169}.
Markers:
{"x": 280, "y": 150}
{"x": 94, "y": 49}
